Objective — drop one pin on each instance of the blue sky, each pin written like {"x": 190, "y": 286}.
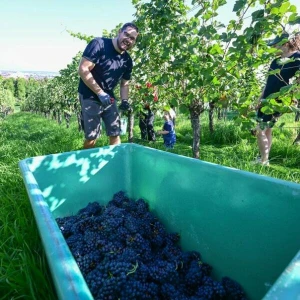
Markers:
{"x": 33, "y": 33}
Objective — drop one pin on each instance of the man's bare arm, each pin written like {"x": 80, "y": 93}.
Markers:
{"x": 124, "y": 89}
{"x": 84, "y": 71}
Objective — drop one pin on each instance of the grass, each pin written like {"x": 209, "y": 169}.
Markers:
{"x": 24, "y": 272}
{"x": 232, "y": 147}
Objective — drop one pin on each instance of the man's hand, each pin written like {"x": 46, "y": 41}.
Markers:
{"x": 125, "y": 106}
{"x": 105, "y": 99}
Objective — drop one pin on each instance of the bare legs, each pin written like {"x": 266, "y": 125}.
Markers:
{"x": 264, "y": 141}
{"x": 89, "y": 144}
{"x": 113, "y": 140}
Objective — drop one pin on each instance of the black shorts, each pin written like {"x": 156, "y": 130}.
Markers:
{"x": 92, "y": 113}
{"x": 267, "y": 120}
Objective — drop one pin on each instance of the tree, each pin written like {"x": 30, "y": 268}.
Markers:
{"x": 196, "y": 58}
{"x": 9, "y": 84}
{"x": 20, "y": 89}
{"x": 7, "y": 99}
{"x": 31, "y": 85}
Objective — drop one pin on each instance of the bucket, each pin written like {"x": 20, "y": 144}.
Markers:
{"x": 123, "y": 126}
{"x": 246, "y": 226}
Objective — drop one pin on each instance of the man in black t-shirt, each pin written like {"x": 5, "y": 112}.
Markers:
{"x": 288, "y": 48}
{"x": 105, "y": 63}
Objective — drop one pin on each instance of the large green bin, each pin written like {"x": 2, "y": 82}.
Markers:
{"x": 246, "y": 226}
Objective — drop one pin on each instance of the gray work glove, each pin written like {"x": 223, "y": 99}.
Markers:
{"x": 125, "y": 106}
{"x": 105, "y": 99}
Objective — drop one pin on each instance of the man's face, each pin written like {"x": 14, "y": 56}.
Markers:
{"x": 127, "y": 38}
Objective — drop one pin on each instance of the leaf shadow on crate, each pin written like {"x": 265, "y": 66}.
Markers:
{"x": 66, "y": 177}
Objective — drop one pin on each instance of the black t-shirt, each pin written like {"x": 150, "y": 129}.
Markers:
{"x": 287, "y": 71}
{"x": 110, "y": 66}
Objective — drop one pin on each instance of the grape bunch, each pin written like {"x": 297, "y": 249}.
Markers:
{"x": 124, "y": 252}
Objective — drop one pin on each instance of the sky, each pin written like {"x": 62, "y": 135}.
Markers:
{"x": 34, "y": 37}
{"x": 33, "y": 34}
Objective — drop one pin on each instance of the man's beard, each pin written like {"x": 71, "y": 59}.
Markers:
{"x": 120, "y": 46}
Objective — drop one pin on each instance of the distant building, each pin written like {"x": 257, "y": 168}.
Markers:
{"x": 28, "y": 74}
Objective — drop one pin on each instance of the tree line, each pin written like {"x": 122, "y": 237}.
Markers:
{"x": 15, "y": 91}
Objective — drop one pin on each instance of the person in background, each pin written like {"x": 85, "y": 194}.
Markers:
{"x": 173, "y": 115}
{"x": 146, "y": 124}
{"x": 168, "y": 130}
{"x": 143, "y": 125}
{"x": 287, "y": 48}
{"x": 105, "y": 63}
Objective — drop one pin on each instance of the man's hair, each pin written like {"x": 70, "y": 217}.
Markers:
{"x": 294, "y": 43}
{"x": 129, "y": 24}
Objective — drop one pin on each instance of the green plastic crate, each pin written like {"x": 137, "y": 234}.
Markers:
{"x": 246, "y": 226}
